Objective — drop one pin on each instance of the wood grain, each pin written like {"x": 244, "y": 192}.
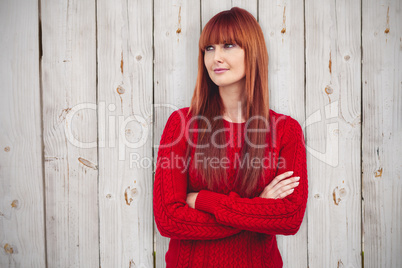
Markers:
{"x": 22, "y": 225}
{"x": 125, "y": 94}
{"x": 70, "y": 132}
{"x": 382, "y": 133}
{"x": 333, "y": 118}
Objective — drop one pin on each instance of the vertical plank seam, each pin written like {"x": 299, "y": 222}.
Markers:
{"x": 42, "y": 127}
{"x": 361, "y": 138}
{"x": 97, "y": 129}
{"x": 305, "y": 105}
{"x": 258, "y": 11}
{"x": 200, "y": 17}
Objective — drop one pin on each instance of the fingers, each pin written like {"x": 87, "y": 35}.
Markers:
{"x": 287, "y": 189}
{"x": 281, "y": 186}
{"x": 284, "y": 194}
{"x": 282, "y": 176}
{"x": 277, "y": 179}
{"x": 285, "y": 184}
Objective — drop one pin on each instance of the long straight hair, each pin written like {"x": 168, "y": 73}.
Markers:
{"x": 227, "y": 27}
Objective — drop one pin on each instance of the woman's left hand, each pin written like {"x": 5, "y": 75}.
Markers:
{"x": 191, "y": 197}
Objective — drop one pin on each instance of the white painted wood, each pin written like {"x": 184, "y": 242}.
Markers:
{"x": 382, "y": 133}
{"x": 125, "y": 162}
{"x": 333, "y": 94}
{"x": 69, "y": 106}
{"x": 22, "y": 231}
{"x": 283, "y": 25}
{"x": 176, "y": 35}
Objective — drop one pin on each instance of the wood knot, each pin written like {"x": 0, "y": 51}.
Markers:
{"x": 15, "y": 204}
{"x": 129, "y": 194}
{"x": 378, "y": 173}
{"x": 120, "y": 90}
{"x": 329, "y": 90}
{"x": 337, "y": 195}
{"x": 8, "y": 249}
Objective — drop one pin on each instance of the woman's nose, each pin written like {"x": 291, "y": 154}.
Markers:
{"x": 218, "y": 54}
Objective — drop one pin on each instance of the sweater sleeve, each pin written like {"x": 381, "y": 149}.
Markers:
{"x": 265, "y": 215}
{"x": 173, "y": 216}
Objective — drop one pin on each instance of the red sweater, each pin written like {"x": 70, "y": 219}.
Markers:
{"x": 224, "y": 229}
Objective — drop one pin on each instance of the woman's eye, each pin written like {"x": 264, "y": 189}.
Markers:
{"x": 208, "y": 48}
{"x": 229, "y": 45}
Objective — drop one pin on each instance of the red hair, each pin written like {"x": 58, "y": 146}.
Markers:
{"x": 240, "y": 27}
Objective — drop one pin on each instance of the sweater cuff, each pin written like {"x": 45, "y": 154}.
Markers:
{"x": 208, "y": 200}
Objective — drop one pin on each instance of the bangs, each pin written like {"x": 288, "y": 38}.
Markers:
{"x": 221, "y": 29}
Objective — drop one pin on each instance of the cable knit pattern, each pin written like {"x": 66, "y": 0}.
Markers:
{"x": 225, "y": 229}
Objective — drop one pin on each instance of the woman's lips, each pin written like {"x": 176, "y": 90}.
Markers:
{"x": 219, "y": 71}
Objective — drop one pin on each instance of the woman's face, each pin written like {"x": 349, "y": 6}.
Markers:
{"x": 230, "y": 59}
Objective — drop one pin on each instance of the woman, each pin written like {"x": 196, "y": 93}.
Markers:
{"x": 223, "y": 187}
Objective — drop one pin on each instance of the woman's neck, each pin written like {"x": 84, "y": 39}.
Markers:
{"x": 233, "y": 101}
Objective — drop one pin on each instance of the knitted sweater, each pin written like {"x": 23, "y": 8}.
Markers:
{"x": 225, "y": 229}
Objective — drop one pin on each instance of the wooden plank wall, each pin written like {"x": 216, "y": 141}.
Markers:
{"x": 125, "y": 55}
{"x": 68, "y": 64}
{"x": 22, "y": 220}
{"x": 87, "y": 87}
{"x": 333, "y": 79}
{"x": 382, "y": 132}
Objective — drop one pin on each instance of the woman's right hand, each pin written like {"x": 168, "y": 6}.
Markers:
{"x": 280, "y": 187}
